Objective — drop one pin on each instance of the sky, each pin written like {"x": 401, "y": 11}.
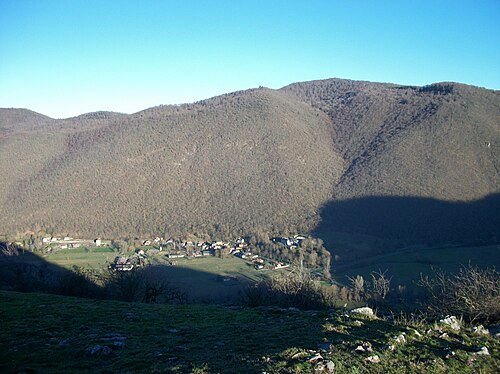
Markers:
{"x": 69, "y": 57}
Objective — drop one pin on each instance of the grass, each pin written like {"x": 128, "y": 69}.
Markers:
{"x": 47, "y": 333}
{"x": 212, "y": 279}
{"x": 406, "y": 266}
{"x": 231, "y": 266}
{"x": 203, "y": 276}
{"x": 96, "y": 258}
{"x": 205, "y": 279}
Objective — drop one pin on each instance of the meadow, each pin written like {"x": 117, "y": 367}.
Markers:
{"x": 405, "y": 266}
{"x": 94, "y": 258}
{"x": 205, "y": 279}
{"x": 212, "y": 279}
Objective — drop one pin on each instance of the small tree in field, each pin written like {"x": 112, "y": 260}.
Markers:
{"x": 358, "y": 287}
{"x": 380, "y": 285}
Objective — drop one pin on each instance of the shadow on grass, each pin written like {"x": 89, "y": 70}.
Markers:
{"x": 28, "y": 272}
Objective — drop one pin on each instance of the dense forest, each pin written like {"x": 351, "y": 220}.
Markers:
{"x": 312, "y": 156}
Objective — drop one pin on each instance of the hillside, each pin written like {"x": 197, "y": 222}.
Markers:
{"x": 12, "y": 119}
{"x": 248, "y": 161}
{"x": 438, "y": 141}
{"x": 62, "y": 334}
{"x": 422, "y": 163}
{"x": 394, "y": 162}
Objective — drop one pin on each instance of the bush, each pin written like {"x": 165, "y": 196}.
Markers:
{"x": 472, "y": 293}
{"x": 290, "y": 289}
{"x": 141, "y": 285}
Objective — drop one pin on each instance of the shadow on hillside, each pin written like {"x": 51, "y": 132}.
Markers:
{"x": 400, "y": 222}
{"x": 28, "y": 272}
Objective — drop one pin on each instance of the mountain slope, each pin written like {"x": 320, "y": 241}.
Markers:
{"x": 324, "y": 155}
{"x": 422, "y": 163}
{"x": 241, "y": 163}
{"x": 439, "y": 141}
{"x": 12, "y": 119}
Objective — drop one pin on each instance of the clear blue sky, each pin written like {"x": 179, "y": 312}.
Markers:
{"x": 68, "y": 57}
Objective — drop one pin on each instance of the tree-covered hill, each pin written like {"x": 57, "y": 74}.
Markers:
{"x": 257, "y": 161}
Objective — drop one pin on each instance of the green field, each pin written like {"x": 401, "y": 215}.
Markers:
{"x": 96, "y": 258}
{"x": 205, "y": 279}
{"x": 211, "y": 279}
{"x": 406, "y": 266}
{"x": 55, "y": 334}
{"x": 231, "y": 266}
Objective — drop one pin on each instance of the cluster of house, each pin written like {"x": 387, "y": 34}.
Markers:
{"x": 238, "y": 248}
{"x": 52, "y": 242}
{"x": 175, "y": 249}
{"x": 123, "y": 263}
{"x": 290, "y": 242}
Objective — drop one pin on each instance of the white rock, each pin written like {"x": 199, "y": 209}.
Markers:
{"x": 295, "y": 356}
{"x": 320, "y": 368}
{"x": 366, "y": 311}
{"x": 317, "y": 357}
{"x": 451, "y": 354}
{"x": 330, "y": 366}
{"x": 373, "y": 359}
{"x": 400, "y": 339}
{"x": 452, "y": 322}
{"x": 416, "y": 333}
{"x": 360, "y": 349}
{"x": 480, "y": 330}
{"x": 483, "y": 352}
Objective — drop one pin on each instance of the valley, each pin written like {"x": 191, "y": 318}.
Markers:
{"x": 380, "y": 174}
{"x": 172, "y": 234}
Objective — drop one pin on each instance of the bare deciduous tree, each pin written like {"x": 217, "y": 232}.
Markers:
{"x": 380, "y": 285}
{"x": 358, "y": 287}
{"x": 472, "y": 293}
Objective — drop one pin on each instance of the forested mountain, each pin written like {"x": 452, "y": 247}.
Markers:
{"x": 438, "y": 141}
{"x": 310, "y": 156}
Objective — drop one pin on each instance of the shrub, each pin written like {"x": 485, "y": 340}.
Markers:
{"x": 142, "y": 285}
{"x": 290, "y": 289}
{"x": 471, "y": 293}
{"x": 380, "y": 285}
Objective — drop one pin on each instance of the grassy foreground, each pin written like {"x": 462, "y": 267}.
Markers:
{"x": 47, "y": 333}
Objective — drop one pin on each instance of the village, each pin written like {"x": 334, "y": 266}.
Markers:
{"x": 172, "y": 249}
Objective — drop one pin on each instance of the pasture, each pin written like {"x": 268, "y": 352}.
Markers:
{"x": 204, "y": 279}
{"x": 95, "y": 258}
{"x": 405, "y": 266}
